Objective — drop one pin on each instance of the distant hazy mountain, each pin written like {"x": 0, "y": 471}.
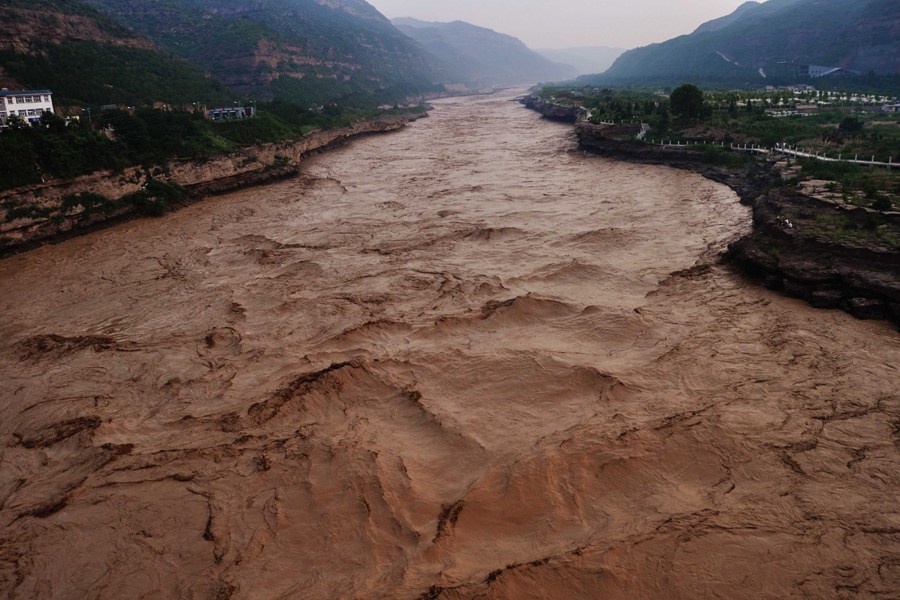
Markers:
{"x": 585, "y": 59}
{"x": 308, "y": 51}
{"x": 85, "y": 58}
{"x": 478, "y": 57}
{"x": 760, "y": 42}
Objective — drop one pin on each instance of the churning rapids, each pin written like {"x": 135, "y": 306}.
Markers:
{"x": 461, "y": 360}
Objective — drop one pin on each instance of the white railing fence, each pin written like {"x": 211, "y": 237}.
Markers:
{"x": 778, "y": 149}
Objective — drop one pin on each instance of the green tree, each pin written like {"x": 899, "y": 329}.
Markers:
{"x": 16, "y": 123}
{"x": 687, "y": 101}
{"x": 732, "y": 106}
{"x": 850, "y": 125}
{"x": 52, "y": 122}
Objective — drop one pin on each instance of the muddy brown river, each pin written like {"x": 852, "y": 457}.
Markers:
{"x": 462, "y": 360}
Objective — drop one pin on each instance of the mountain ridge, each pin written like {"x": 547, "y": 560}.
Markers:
{"x": 86, "y": 58}
{"x": 306, "y": 51}
{"x": 722, "y": 22}
{"x": 748, "y": 45}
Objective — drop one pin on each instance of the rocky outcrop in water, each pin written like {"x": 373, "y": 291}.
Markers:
{"x": 857, "y": 275}
{"x": 552, "y": 110}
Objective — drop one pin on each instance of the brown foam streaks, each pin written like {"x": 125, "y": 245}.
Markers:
{"x": 458, "y": 361}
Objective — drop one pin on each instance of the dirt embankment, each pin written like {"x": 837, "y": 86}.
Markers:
{"x": 36, "y": 214}
{"x": 791, "y": 248}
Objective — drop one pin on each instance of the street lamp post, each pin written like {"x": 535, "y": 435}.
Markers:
{"x": 88, "y": 111}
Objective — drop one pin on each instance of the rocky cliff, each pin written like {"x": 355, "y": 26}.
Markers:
{"x": 800, "y": 245}
{"x": 38, "y": 213}
{"x": 301, "y": 51}
{"x": 551, "y": 110}
{"x": 86, "y": 58}
{"x": 29, "y": 26}
{"x": 789, "y": 249}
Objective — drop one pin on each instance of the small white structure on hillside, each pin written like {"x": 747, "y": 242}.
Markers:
{"x": 28, "y": 105}
{"x": 231, "y": 112}
{"x": 817, "y": 71}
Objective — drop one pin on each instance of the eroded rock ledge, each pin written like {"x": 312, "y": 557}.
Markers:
{"x": 40, "y": 213}
{"x": 550, "y": 110}
{"x": 801, "y": 259}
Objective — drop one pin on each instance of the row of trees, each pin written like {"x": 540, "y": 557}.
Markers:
{"x": 686, "y": 101}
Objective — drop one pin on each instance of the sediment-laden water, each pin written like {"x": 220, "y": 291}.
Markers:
{"x": 462, "y": 360}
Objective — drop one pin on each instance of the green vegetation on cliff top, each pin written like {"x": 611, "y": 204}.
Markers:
{"x": 843, "y": 125}
{"x": 119, "y": 139}
{"x": 709, "y": 123}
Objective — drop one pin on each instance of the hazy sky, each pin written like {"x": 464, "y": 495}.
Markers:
{"x": 567, "y": 23}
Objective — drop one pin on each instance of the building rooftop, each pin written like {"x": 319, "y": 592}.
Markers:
{"x": 23, "y": 92}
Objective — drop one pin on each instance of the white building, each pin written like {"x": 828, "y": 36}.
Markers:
{"x": 29, "y": 105}
{"x": 817, "y": 71}
{"x": 231, "y": 112}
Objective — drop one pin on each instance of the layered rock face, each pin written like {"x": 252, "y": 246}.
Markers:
{"x": 302, "y": 51}
{"x": 551, "y": 110}
{"x": 40, "y": 212}
{"x": 788, "y": 248}
{"x": 29, "y": 29}
{"x": 861, "y": 278}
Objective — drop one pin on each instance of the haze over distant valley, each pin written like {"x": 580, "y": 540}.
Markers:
{"x": 585, "y": 59}
{"x": 478, "y": 57}
{"x": 570, "y": 23}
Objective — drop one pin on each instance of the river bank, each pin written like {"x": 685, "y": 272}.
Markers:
{"x": 52, "y": 211}
{"x": 824, "y": 253}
